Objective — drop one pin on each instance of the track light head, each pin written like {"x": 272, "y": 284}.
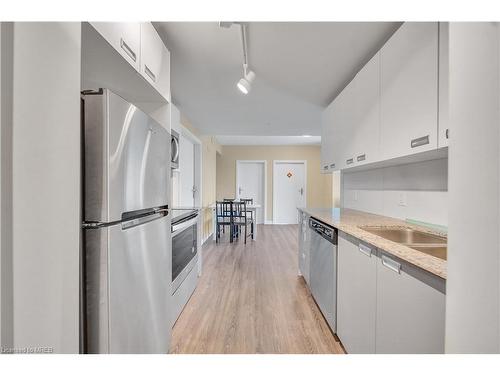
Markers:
{"x": 245, "y": 84}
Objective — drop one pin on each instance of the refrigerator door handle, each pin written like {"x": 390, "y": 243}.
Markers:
{"x": 99, "y": 224}
{"x": 144, "y": 219}
{"x": 130, "y": 219}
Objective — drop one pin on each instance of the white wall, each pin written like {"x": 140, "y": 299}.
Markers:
{"x": 6, "y": 300}
{"x": 473, "y": 290}
{"x": 46, "y": 184}
{"x": 423, "y": 186}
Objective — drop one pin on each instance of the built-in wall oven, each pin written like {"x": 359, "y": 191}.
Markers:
{"x": 184, "y": 246}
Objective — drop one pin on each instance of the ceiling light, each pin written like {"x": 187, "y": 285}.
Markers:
{"x": 307, "y": 136}
{"x": 245, "y": 84}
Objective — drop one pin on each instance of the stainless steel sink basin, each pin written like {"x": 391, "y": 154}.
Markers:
{"x": 427, "y": 243}
{"x": 435, "y": 251}
{"x": 406, "y": 235}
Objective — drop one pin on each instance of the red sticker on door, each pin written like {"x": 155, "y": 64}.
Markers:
{"x": 289, "y": 174}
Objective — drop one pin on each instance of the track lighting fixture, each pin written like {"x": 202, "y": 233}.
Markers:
{"x": 245, "y": 83}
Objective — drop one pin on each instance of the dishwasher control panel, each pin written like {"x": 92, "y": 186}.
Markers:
{"x": 324, "y": 230}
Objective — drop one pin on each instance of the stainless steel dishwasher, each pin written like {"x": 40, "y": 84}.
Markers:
{"x": 323, "y": 269}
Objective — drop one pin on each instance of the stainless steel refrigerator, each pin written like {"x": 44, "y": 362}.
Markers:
{"x": 126, "y": 259}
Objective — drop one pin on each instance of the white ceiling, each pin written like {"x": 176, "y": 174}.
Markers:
{"x": 266, "y": 140}
{"x": 300, "y": 68}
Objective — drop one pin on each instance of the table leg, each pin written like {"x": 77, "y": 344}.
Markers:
{"x": 255, "y": 224}
{"x": 214, "y": 225}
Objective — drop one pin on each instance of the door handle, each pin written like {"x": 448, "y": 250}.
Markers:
{"x": 365, "y": 250}
{"x": 150, "y": 73}
{"x": 301, "y": 191}
{"x": 417, "y": 142}
{"x": 239, "y": 190}
{"x": 128, "y": 50}
{"x": 391, "y": 264}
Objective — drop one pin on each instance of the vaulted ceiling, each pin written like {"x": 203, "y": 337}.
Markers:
{"x": 300, "y": 68}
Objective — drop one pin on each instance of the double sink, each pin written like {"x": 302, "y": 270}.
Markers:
{"x": 427, "y": 243}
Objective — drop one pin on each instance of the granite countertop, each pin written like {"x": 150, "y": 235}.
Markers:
{"x": 349, "y": 221}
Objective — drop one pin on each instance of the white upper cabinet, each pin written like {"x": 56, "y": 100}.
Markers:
{"x": 444, "y": 123}
{"x": 351, "y": 122}
{"x": 141, "y": 46}
{"x": 326, "y": 139}
{"x": 409, "y": 90}
{"x": 397, "y": 104}
{"x": 346, "y": 121}
{"x": 155, "y": 60}
{"x": 365, "y": 127}
{"x": 125, "y": 37}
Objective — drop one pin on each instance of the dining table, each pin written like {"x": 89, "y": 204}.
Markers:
{"x": 250, "y": 207}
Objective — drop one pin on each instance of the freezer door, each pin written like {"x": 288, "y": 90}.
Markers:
{"x": 130, "y": 291}
{"x": 127, "y": 158}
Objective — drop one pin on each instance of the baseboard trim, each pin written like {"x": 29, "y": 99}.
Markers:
{"x": 268, "y": 222}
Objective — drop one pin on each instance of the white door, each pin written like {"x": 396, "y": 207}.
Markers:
{"x": 289, "y": 191}
{"x": 186, "y": 168}
{"x": 250, "y": 184}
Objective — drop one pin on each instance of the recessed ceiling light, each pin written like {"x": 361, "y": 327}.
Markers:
{"x": 307, "y": 136}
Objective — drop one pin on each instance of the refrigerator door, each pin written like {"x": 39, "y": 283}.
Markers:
{"x": 127, "y": 158}
{"x": 128, "y": 287}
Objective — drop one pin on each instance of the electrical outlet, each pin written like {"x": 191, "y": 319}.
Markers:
{"x": 402, "y": 201}
{"x": 355, "y": 196}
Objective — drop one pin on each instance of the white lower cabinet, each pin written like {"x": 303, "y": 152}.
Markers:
{"x": 410, "y": 309}
{"x": 304, "y": 246}
{"x": 356, "y": 294}
{"x": 385, "y": 305}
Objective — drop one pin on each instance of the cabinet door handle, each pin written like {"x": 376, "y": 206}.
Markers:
{"x": 325, "y": 167}
{"x": 365, "y": 250}
{"x": 361, "y": 157}
{"x": 391, "y": 264}
{"x": 447, "y": 133}
{"x": 332, "y": 165}
{"x": 128, "y": 50}
{"x": 349, "y": 161}
{"x": 417, "y": 142}
{"x": 149, "y": 73}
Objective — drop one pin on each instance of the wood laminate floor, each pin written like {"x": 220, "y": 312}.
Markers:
{"x": 250, "y": 300}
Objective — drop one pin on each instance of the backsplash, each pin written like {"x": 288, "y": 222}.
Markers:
{"x": 417, "y": 191}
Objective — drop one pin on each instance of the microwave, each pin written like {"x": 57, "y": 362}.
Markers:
{"x": 174, "y": 150}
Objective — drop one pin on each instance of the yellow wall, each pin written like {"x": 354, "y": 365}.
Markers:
{"x": 319, "y": 186}
{"x": 210, "y": 148}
